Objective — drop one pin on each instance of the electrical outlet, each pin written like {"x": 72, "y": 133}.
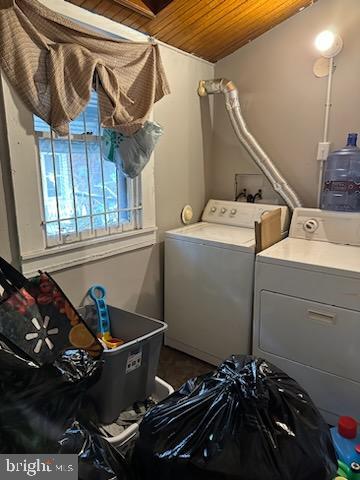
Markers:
{"x": 323, "y": 151}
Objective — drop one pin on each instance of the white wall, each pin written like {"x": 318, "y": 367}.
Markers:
{"x": 182, "y": 158}
{"x": 8, "y": 237}
{"x": 283, "y": 102}
{"x": 135, "y": 279}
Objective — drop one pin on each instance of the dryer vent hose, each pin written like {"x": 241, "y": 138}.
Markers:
{"x": 262, "y": 160}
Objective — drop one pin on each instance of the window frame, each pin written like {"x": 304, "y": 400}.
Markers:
{"x": 132, "y": 189}
{"x": 26, "y": 179}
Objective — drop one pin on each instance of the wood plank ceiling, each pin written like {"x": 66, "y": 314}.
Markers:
{"x": 210, "y": 29}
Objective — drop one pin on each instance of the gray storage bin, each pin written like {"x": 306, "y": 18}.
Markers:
{"x": 129, "y": 370}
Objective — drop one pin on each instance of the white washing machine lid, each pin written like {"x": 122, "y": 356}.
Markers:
{"x": 224, "y": 236}
{"x": 313, "y": 255}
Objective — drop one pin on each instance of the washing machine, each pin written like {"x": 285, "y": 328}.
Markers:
{"x": 307, "y": 308}
{"x": 209, "y": 273}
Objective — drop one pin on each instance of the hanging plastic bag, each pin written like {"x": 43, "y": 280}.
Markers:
{"x": 38, "y": 321}
{"x": 246, "y": 421}
{"x": 131, "y": 153}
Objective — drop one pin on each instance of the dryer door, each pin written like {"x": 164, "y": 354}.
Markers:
{"x": 313, "y": 334}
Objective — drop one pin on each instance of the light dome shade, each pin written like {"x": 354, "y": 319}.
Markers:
{"x": 325, "y": 40}
{"x": 328, "y": 43}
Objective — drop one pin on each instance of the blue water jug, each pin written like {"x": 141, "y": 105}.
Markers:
{"x": 341, "y": 186}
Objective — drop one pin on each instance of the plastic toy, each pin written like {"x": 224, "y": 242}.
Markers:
{"x": 349, "y": 473}
{"x": 346, "y": 440}
{"x": 98, "y": 294}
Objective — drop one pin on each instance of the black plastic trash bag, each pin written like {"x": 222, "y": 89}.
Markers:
{"x": 45, "y": 410}
{"x": 246, "y": 421}
{"x": 39, "y": 403}
{"x": 98, "y": 460}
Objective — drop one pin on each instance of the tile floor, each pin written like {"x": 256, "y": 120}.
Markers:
{"x": 176, "y": 367}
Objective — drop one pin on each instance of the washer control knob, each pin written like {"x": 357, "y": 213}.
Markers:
{"x": 223, "y": 210}
{"x": 233, "y": 211}
{"x": 213, "y": 209}
{"x": 311, "y": 225}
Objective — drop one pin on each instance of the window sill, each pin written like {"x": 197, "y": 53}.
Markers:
{"x": 65, "y": 256}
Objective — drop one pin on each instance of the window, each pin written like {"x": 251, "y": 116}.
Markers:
{"x": 72, "y": 206}
{"x": 83, "y": 195}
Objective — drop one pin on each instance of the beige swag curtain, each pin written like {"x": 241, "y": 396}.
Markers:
{"x": 52, "y": 62}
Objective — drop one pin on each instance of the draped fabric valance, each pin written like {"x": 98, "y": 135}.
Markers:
{"x": 51, "y": 62}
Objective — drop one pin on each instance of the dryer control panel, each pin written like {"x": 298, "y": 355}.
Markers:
{"x": 241, "y": 214}
{"x": 342, "y": 228}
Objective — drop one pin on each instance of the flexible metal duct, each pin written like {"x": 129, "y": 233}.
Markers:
{"x": 227, "y": 87}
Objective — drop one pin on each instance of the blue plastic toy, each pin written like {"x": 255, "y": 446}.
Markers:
{"x": 346, "y": 440}
{"x": 98, "y": 294}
